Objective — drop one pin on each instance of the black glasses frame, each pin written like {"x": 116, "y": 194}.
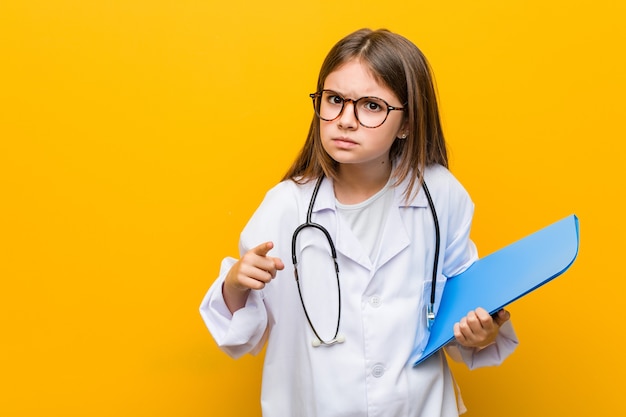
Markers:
{"x": 318, "y": 95}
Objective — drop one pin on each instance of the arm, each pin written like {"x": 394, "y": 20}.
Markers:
{"x": 480, "y": 339}
{"x": 235, "y": 333}
{"x": 234, "y": 309}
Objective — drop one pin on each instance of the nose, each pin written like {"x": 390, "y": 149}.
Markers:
{"x": 347, "y": 118}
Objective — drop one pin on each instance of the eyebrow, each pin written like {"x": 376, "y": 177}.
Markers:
{"x": 386, "y": 100}
{"x": 357, "y": 98}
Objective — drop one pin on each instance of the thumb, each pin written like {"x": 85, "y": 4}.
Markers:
{"x": 501, "y": 317}
{"x": 263, "y": 248}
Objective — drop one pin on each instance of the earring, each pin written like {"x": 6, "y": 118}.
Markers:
{"x": 404, "y": 135}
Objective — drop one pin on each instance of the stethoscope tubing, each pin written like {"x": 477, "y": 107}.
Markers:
{"x": 431, "y": 204}
{"x": 430, "y": 315}
{"x": 333, "y": 252}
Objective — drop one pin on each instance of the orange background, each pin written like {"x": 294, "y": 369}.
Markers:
{"x": 137, "y": 137}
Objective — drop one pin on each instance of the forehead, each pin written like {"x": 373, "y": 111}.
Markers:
{"x": 355, "y": 78}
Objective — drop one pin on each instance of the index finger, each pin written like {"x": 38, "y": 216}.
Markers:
{"x": 263, "y": 248}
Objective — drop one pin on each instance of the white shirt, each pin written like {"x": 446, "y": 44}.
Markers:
{"x": 382, "y": 306}
{"x": 367, "y": 218}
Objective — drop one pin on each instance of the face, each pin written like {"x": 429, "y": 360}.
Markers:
{"x": 344, "y": 139}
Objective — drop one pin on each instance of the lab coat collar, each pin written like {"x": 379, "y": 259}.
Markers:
{"x": 326, "y": 196}
{"x": 419, "y": 200}
{"x": 345, "y": 241}
{"x": 395, "y": 236}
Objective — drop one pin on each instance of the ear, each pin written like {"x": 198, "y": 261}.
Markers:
{"x": 403, "y": 132}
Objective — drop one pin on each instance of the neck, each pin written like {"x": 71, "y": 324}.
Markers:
{"x": 357, "y": 183}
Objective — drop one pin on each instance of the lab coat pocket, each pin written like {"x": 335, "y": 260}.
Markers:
{"x": 423, "y": 332}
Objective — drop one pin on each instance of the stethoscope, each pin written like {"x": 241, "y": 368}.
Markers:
{"x": 337, "y": 338}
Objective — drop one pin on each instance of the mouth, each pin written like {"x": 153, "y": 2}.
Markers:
{"x": 344, "y": 142}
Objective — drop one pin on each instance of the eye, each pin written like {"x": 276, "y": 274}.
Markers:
{"x": 373, "y": 105}
{"x": 332, "y": 98}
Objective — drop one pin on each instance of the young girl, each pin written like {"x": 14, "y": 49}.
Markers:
{"x": 341, "y": 265}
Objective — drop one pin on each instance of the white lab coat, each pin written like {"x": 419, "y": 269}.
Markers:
{"x": 382, "y": 307}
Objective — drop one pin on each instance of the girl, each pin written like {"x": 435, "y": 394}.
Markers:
{"x": 363, "y": 193}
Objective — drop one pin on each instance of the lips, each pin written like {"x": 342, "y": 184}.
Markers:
{"x": 343, "y": 142}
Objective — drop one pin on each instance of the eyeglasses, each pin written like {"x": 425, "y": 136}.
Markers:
{"x": 370, "y": 112}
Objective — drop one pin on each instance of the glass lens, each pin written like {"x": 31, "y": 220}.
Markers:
{"x": 329, "y": 105}
{"x": 371, "y": 111}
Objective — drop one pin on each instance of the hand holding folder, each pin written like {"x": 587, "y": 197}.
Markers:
{"x": 502, "y": 277}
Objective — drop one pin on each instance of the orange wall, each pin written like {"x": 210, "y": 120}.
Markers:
{"x": 136, "y": 138}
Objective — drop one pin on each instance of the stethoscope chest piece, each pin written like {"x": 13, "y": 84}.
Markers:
{"x": 337, "y": 339}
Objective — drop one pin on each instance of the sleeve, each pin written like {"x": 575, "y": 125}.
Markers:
{"x": 491, "y": 355}
{"x": 460, "y": 251}
{"x": 246, "y": 330}
{"x": 239, "y": 333}
{"x": 460, "y": 254}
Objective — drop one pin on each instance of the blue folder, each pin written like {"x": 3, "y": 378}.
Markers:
{"x": 502, "y": 277}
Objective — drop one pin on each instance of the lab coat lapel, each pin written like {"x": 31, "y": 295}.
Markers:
{"x": 350, "y": 246}
{"x": 346, "y": 243}
{"x": 396, "y": 237}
